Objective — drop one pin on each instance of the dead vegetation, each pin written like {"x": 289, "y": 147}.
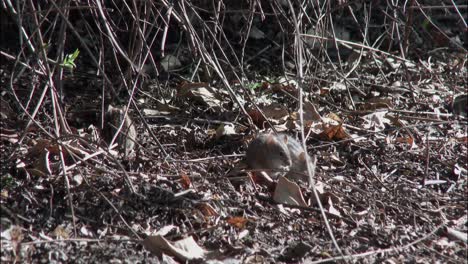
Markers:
{"x": 377, "y": 92}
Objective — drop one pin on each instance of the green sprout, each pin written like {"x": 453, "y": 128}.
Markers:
{"x": 254, "y": 86}
{"x": 69, "y": 60}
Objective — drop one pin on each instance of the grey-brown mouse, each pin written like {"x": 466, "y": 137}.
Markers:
{"x": 278, "y": 155}
{"x": 114, "y": 117}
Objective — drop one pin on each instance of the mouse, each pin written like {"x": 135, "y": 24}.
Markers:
{"x": 279, "y": 155}
{"x": 113, "y": 118}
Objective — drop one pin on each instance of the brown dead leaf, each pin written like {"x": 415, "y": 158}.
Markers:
{"x": 185, "y": 180}
{"x": 265, "y": 86}
{"x": 238, "y": 221}
{"x": 285, "y": 85}
{"x": 257, "y": 118}
{"x": 405, "y": 140}
{"x": 207, "y": 210}
{"x": 462, "y": 139}
{"x": 334, "y": 132}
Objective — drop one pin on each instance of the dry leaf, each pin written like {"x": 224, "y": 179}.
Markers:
{"x": 207, "y": 210}
{"x": 61, "y": 233}
{"x": 288, "y": 192}
{"x": 201, "y": 93}
{"x": 185, "y": 180}
{"x": 262, "y": 178}
{"x": 238, "y": 221}
{"x": 334, "y": 132}
{"x": 276, "y": 113}
{"x": 184, "y": 250}
{"x": 406, "y": 140}
{"x": 206, "y": 96}
{"x": 310, "y": 113}
{"x": 334, "y": 117}
{"x": 377, "y": 121}
{"x": 225, "y": 130}
{"x": 257, "y": 118}
{"x": 331, "y": 208}
{"x": 320, "y": 189}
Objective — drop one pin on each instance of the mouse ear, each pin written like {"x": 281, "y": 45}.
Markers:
{"x": 284, "y": 138}
{"x": 302, "y": 156}
{"x": 110, "y": 108}
{"x": 271, "y": 140}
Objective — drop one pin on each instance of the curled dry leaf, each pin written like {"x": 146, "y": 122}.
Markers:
{"x": 331, "y": 209}
{"x": 288, "y": 192}
{"x": 184, "y": 250}
{"x": 262, "y": 178}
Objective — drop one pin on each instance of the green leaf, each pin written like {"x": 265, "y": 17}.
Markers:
{"x": 69, "y": 60}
